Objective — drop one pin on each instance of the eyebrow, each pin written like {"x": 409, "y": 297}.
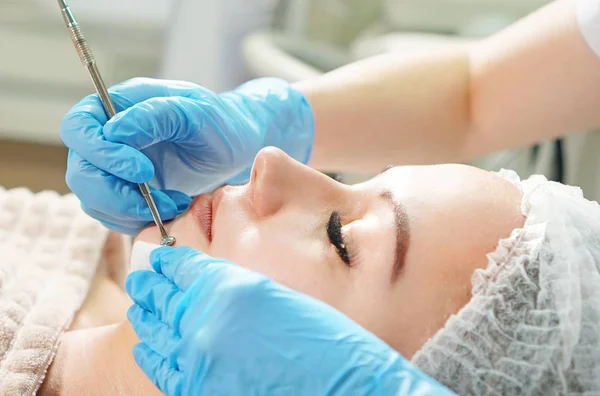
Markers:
{"x": 402, "y": 230}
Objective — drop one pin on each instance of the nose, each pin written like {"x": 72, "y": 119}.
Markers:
{"x": 278, "y": 180}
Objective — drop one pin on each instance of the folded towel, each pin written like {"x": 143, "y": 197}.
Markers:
{"x": 49, "y": 252}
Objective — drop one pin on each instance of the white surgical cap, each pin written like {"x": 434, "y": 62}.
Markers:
{"x": 532, "y": 326}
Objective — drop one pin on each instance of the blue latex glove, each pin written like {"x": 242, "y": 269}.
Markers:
{"x": 180, "y": 137}
{"x": 209, "y": 327}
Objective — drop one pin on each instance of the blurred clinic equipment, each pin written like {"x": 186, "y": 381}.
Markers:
{"x": 204, "y": 38}
{"x": 89, "y": 62}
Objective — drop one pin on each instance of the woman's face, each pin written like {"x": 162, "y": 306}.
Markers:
{"x": 402, "y": 260}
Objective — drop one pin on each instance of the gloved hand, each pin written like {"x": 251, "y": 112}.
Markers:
{"x": 180, "y": 137}
{"x": 209, "y": 327}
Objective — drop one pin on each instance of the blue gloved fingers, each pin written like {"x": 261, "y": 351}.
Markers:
{"x": 93, "y": 186}
{"x": 173, "y": 119}
{"x": 166, "y": 378}
{"x": 82, "y": 127}
{"x": 157, "y": 110}
{"x": 154, "y": 293}
{"x": 125, "y": 224}
{"x": 132, "y": 91}
{"x": 82, "y": 133}
{"x": 139, "y": 89}
{"x": 181, "y": 265}
{"x": 153, "y": 332}
{"x": 133, "y": 227}
{"x": 181, "y": 200}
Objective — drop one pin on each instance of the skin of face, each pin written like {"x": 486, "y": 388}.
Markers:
{"x": 277, "y": 225}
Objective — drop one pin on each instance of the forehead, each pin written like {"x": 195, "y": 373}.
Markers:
{"x": 404, "y": 181}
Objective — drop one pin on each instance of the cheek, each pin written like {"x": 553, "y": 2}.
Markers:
{"x": 302, "y": 261}
{"x": 294, "y": 261}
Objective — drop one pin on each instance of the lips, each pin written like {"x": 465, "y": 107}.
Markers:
{"x": 202, "y": 211}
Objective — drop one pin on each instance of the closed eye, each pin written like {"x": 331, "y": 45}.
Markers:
{"x": 334, "y": 232}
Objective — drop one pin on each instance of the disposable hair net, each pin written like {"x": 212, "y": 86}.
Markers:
{"x": 532, "y": 326}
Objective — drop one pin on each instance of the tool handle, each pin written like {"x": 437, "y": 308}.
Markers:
{"x": 100, "y": 87}
{"x": 87, "y": 58}
{"x": 81, "y": 45}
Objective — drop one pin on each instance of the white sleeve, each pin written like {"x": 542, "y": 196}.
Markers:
{"x": 588, "y": 17}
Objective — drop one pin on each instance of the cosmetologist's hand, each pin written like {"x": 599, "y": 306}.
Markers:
{"x": 181, "y": 138}
{"x": 210, "y": 327}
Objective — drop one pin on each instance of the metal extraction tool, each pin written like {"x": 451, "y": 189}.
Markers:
{"x": 89, "y": 62}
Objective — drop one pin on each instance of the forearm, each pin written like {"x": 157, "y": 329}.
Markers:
{"x": 390, "y": 110}
{"x": 533, "y": 81}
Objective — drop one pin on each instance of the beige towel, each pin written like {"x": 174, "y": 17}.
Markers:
{"x": 49, "y": 250}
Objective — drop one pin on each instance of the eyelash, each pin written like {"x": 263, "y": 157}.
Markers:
{"x": 334, "y": 232}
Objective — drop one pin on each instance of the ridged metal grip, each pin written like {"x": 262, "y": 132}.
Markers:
{"x": 81, "y": 45}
